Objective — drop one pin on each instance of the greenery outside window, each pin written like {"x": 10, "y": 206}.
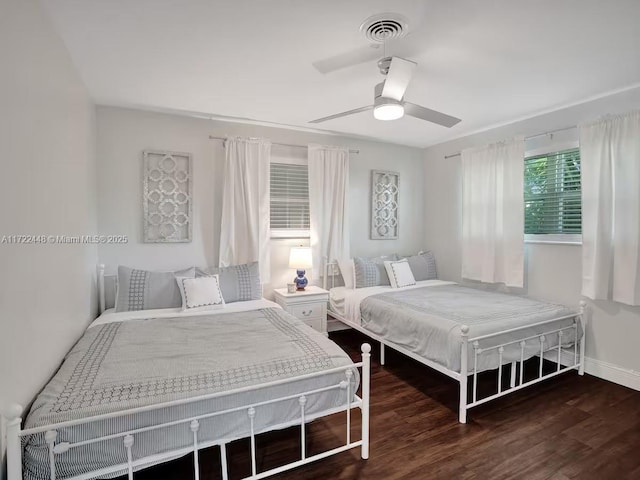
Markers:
{"x": 552, "y": 196}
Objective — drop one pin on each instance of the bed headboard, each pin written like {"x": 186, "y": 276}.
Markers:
{"x": 331, "y": 269}
{"x": 329, "y": 273}
{"x": 106, "y": 289}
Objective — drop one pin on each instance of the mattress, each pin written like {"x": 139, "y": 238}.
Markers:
{"x": 134, "y": 359}
{"x": 426, "y": 319}
{"x": 346, "y": 301}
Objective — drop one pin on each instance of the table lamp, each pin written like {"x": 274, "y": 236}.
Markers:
{"x": 300, "y": 258}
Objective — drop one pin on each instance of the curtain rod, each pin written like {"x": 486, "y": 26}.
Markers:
{"x": 551, "y": 132}
{"x": 213, "y": 137}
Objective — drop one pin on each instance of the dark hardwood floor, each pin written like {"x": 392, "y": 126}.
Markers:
{"x": 567, "y": 427}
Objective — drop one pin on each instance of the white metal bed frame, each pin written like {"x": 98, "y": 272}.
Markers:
{"x": 15, "y": 433}
{"x": 567, "y": 359}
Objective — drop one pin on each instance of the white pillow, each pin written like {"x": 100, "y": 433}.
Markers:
{"x": 400, "y": 274}
{"x": 200, "y": 292}
{"x": 348, "y": 271}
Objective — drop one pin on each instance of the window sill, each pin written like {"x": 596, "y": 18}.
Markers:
{"x": 290, "y": 233}
{"x": 568, "y": 239}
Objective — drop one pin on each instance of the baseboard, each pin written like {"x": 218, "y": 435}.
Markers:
{"x": 598, "y": 368}
{"x": 613, "y": 373}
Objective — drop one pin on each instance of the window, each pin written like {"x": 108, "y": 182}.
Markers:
{"x": 289, "y": 200}
{"x": 552, "y": 200}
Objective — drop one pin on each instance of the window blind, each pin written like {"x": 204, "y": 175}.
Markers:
{"x": 289, "y": 197}
{"x": 552, "y": 197}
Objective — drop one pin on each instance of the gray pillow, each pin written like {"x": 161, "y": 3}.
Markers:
{"x": 239, "y": 283}
{"x": 145, "y": 290}
{"x": 423, "y": 266}
{"x": 370, "y": 272}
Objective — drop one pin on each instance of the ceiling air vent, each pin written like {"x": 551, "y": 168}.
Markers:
{"x": 384, "y": 26}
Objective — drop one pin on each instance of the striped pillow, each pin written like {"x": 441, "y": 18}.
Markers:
{"x": 423, "y": 266}
{"x": 145, "y": 290}
{"x": 370, "y": 272}
{"x": 239, "y": 283}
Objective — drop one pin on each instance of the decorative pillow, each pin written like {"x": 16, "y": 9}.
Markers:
{"x": 145, "y": 290}
{"x": 423, "y": 266}
{"x": 370, "y": 272}
{"x": 399, "y": 273}
{"x": 238, "y": 283}
{"x": 347, "y": 269}
{"x": 200, "y": 292}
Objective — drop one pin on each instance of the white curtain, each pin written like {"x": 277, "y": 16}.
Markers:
{"x": 328, "y": 204}
{"x": 245, "y": 235}
{"x": 610, "y": 158}
{"x": 493, "y": 213}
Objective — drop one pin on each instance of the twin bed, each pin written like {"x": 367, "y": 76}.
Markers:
{"x": 143, "y": 387}
{"x": 461, "y": 331}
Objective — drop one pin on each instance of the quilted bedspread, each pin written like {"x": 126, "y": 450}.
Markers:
{"x": 139, "y": 362}
{"x": 427, "y": 321}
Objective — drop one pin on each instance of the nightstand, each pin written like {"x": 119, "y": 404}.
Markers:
{"x": 309, "y": 305}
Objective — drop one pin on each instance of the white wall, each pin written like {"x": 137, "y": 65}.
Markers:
{"x": 553, "y": 272}
{"x": 123, "y": 134}
{"x": 47, "y": 186}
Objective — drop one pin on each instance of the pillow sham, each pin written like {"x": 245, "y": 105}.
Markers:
{"x": 370, "y": 272}
{"x": 423, "y": 266}
{"x": 200, "y": 292}
{"x": 146, "y": 290}
{"x": 238, "y": 283}
{"x": 347, "y": 270}
{"x": 399, "y": 273}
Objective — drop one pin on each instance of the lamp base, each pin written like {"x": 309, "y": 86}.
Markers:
{"x": 300, "y": 281}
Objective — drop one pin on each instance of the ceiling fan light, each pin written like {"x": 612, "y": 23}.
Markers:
{"x": 388, "y": 111}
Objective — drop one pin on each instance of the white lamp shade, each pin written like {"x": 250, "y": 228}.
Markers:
{"x": 300, "y": 257}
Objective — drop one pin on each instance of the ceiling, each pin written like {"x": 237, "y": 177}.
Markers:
{"x": 488, "y": 62}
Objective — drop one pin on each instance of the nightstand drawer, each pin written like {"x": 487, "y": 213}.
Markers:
{"x": 308, "y": 311}
{"x": 315, "y": 323}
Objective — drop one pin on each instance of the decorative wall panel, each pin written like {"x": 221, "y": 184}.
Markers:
{"x": 385, "y": 192}
{"x": 167, "y": 197}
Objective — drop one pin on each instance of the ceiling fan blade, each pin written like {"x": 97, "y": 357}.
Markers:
{"x": 430, "y": 115}
{"x": 398, "y": 78}
{"x": 348, "y": 59}
{"x": 343, "y": 114}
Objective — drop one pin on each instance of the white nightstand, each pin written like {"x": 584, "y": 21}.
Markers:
{"x": 309, "y": 305}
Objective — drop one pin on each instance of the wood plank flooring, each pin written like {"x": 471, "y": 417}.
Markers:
{"x": 570, "y": 427}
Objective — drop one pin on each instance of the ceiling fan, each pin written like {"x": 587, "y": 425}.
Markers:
{"x": 389, "y": 103}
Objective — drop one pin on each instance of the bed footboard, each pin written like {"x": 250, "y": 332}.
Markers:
{"x": 574, "y": 334}
{"x": 193, "y": 424}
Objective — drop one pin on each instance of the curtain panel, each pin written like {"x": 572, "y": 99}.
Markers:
{"x": 610, "y": 156}
{"x": 493, "y": 213}
{"x": 244, "y": 234}
{"x": 328, "y": 204}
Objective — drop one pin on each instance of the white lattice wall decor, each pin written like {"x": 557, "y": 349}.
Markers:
{"x": 168, "y": 195}
{"x": 385, "y": 192}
